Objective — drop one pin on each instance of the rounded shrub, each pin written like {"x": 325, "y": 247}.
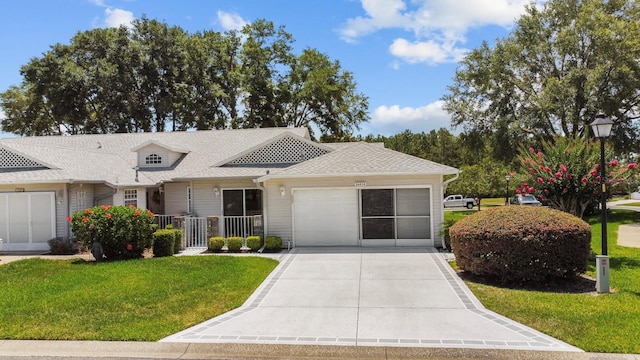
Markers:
{"x": 216, "y": 243}
{"x": 163, "y": 241}
{"x": 273, "y": 243}
{"x": 521, "y": 243}
{"x": 123, "y": 231}
{"x": 254, "y": 242}
{"x": 234, "y": 243}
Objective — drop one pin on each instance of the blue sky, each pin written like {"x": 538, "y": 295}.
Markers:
{"x": 403, "y": 53}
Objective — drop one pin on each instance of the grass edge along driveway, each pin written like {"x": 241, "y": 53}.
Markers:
{"x": 142, "y": 300}
{"x": 607, "y": 323}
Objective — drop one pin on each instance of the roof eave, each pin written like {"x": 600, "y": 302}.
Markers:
{"x": 307, "y": 176}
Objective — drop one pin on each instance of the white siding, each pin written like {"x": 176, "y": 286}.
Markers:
{"x": 205, "y": 203}
{"x": 279, "y": 210}
{"x": 175, "y": 198}
{"x": 103, "y": 195}
{"x": 77, "y": 201}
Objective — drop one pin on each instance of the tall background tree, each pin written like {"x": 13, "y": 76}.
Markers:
{"x": 156, "y": 77}
{"x": 560, "y": 66}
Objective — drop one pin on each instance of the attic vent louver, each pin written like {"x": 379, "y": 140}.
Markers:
{"x": 287, "y": 150}
{"x": 10, "y": 160}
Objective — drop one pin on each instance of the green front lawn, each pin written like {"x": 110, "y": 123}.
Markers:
{"x": 124, "y": 300}
{"x": 594, "y": 323}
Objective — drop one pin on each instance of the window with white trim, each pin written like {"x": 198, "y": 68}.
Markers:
{"x": 131, "y": 197}
{"x": 153, "y": 159}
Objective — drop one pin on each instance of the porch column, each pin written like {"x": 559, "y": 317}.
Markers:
{"x": 178, "y": 223}
{"x": 213, "y": 226}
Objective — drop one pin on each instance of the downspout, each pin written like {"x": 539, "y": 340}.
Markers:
{"x": 264, "y": 218}
{"x": 96, "y": 200}
{"x": 443, "y": 186}
{"x": 446, "y": 182}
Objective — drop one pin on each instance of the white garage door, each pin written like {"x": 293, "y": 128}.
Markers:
{"x": 325, "y": 217}
{"x": 27, "y": 220}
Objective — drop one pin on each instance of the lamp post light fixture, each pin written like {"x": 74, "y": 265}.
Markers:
{"x": 601, "y": 127}
{"x": 506, "y": 198}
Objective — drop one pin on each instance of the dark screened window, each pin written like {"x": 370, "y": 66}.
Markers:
{"x": 378, "y": 228}
{"x": 396, "y": 213}
{"x": 233, "y": 203}
{"x": 377, "y": 202}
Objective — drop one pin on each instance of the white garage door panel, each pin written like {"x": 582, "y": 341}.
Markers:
{"x": 27, "y": 220}
{"x": 42, "y": 214}
{"x": 19, "y": 221}
{"x": 326, "y": 217}
{"x": 4, "y": 228}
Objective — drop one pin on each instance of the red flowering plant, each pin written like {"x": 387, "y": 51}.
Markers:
{"x": 566, "y": 173}
{"x": 124, "y": 232}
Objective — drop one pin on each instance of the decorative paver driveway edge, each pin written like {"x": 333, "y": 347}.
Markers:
{"x": 534, "y": 340}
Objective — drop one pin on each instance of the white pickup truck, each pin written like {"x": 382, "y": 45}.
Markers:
{"x": 458, "y": 201}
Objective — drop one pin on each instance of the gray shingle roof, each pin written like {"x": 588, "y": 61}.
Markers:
{"x": 111, "y": 159}
{"x": 363, "y": 159}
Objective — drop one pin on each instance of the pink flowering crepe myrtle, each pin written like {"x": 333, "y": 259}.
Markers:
{"x": 566, "y": 174}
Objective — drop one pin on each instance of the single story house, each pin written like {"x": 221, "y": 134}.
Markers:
{"x": 273, "y": 181}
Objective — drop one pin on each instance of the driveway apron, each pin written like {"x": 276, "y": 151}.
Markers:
{"x": 367, "y": 297}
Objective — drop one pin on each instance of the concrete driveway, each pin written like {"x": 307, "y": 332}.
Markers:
{"x": 367, "y": 297}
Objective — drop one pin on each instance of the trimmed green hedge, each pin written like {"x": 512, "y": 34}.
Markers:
{"x": 177, "y": 241}
{"x": 163, "y": 241}
{"x": 234, "y": 243}
{"x": 254, "y": 242}
{"x": 216, "y": 243}
{"x": 521, "y": 243}
{"x": 273, "y": 243}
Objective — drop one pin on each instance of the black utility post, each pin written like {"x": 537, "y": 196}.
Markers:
{"x": 601, "y": 127}
{"x": 506, "y": 198}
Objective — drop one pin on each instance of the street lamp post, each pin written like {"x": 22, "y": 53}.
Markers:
{"x": 601, "y": 127}
{"x": 506, "y": 199}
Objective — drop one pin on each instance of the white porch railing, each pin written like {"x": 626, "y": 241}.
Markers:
{"x": 195, "y": 228}
{"x": 242, "y": 226}
{"x": 163, "y": 220}
{"x": 195, "y": 232}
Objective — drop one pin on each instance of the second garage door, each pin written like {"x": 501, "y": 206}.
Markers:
{"x": 325, "y": 217}
{"x": 27, "y": 220}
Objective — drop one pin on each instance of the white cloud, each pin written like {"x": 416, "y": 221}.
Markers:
{"x": 430, "y": 51}
{"x": 390, "y": 120}
{"x": 230, "y": 21}
{"x": 117, "y": 17}
{"x": 438, "y": 27}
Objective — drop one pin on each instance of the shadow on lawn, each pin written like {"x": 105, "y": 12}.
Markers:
{"x": 619, "y": 262}
{"x": 578, "y": 285}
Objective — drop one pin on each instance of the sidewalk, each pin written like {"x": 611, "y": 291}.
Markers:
{"x": 155, "y": 350}
{"x": 629, "y": 234}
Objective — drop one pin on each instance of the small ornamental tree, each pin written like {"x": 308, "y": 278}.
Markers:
{"x": 123, "y": 231}
{"x": 566, "y": 173}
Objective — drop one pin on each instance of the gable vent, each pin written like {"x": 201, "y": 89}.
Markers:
{"x": 287, "y": 150}
{"x": 10, "y": 160}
